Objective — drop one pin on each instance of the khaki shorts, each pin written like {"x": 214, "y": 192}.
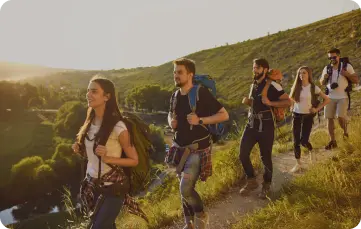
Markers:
{"x": 337, "y": 108}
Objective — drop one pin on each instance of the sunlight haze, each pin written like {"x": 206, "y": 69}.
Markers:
{"x": 124, "y": 34}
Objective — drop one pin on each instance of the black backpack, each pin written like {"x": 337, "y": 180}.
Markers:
{"x": 315, "y": 101}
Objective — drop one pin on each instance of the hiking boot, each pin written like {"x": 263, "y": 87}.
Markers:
{"x": 250, "y": 186}
{"x": 266, "y": 190}
{"x": 189, "y": 226}
{"x": 331, "y": 145}
{"x": 307, "y": 145}
{"x": 201, "y": 220}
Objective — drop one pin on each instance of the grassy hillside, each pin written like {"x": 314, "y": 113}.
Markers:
{"x": 16, "y": 71}
{"x": 231, "y": 65}
{"x": 80, "y": 79}
{"x": 287, "y": 50}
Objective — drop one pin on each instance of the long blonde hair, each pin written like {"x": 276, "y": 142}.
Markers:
{"x": 297, "y": 84}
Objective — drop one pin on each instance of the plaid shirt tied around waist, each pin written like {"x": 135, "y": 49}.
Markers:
{"x": 205, "y": 157}
{"x": 88, "y": 194}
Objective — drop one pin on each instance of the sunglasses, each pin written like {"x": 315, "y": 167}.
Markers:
{"x": 332, "y": 58}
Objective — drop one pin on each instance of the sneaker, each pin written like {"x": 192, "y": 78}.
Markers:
{"x": 250, "y": 186}
{"x": 201, "y": 220}
{"x": 189, "y": 226}
{"x": 266, "y": 190}
{"x": 308, "y": 146}
{"x": 331, "y": 145}
{"x": 296, "y": 168}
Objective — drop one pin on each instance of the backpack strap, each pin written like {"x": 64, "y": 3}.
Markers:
{"x": 348, "y": 89}
{"x": 193, "y": 98}
{"x": 330, "y": 71}
{"x": 314, "y": 100}
{"x": 174, "y": 100}
{"x": 313, "y": 94}
{"x": 103, "y": 141}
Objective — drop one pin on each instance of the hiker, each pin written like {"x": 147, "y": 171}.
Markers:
{"x": 338, "y": 77}
{"x": 261, "y": 126}
{"x": 305, "y": 106}
{"x": 104, "y": 138}
{"x": 191, "y": 136}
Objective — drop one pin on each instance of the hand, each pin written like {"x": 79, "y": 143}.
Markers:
{"x": 75, "y": 147}
{"x": 102, "y": 152}
{"x": 313, "y": 110}
{"x": 266, "y": 101}
{"x": 193, "y": 119}
{"x": 174, "y": 123}
{"x": 247, "y": 101}
{"x": 344, "y": 73}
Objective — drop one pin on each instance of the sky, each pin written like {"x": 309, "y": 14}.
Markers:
{"x": 113, "y": 34}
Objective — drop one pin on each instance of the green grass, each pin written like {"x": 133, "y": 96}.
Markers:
{"x": 163, "y": 205}
{"x": 22, "y": 136}
{"x": 326, "y": 196}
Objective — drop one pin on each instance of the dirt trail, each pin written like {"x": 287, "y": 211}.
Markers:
{"x": 233, "y": 205}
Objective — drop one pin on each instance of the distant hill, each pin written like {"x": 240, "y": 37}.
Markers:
{"x": 17, "y": 71}
{"x": 231, "y": 65}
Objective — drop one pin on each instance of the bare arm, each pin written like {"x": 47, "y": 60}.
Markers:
{"x": 170, "y": 119}
{"x": 284, "y": 101}
{"x": 220, "y": 116}
{"x": 128, "y": 149}
{"x": 324, "y": 79}
{"x": 352, "y": 77}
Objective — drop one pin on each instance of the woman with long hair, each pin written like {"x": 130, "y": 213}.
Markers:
{"x": 304, "y": 95}
{"x": 104, "y": 137}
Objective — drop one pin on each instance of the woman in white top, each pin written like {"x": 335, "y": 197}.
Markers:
{"x": 304, "y": 108}
{"x": 104, "y": 137}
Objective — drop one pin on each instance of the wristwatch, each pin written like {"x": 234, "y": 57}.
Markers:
{"x": 200, "y": 121}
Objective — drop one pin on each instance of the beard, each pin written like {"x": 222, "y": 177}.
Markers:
{"x": 257, "y": 76}
{"x": 178, "y": 83}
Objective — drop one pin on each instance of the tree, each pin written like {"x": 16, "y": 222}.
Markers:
{"x": 69, "y": 119}
{"x": 149, "y": 97}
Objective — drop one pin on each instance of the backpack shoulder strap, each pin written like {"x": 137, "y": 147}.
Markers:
{"x": 313, "y": 94}
{"x": 329, "y": 71}
{"x": 313, "y": 89}
{"x": 193, "y": 97}
{"x": 174, "y": 100}
{"x": 98, "y": 141}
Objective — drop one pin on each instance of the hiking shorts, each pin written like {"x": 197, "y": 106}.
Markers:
{"x": 337, "y": 108}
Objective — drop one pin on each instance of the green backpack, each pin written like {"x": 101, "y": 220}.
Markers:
{"x": 140, "y": 174}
